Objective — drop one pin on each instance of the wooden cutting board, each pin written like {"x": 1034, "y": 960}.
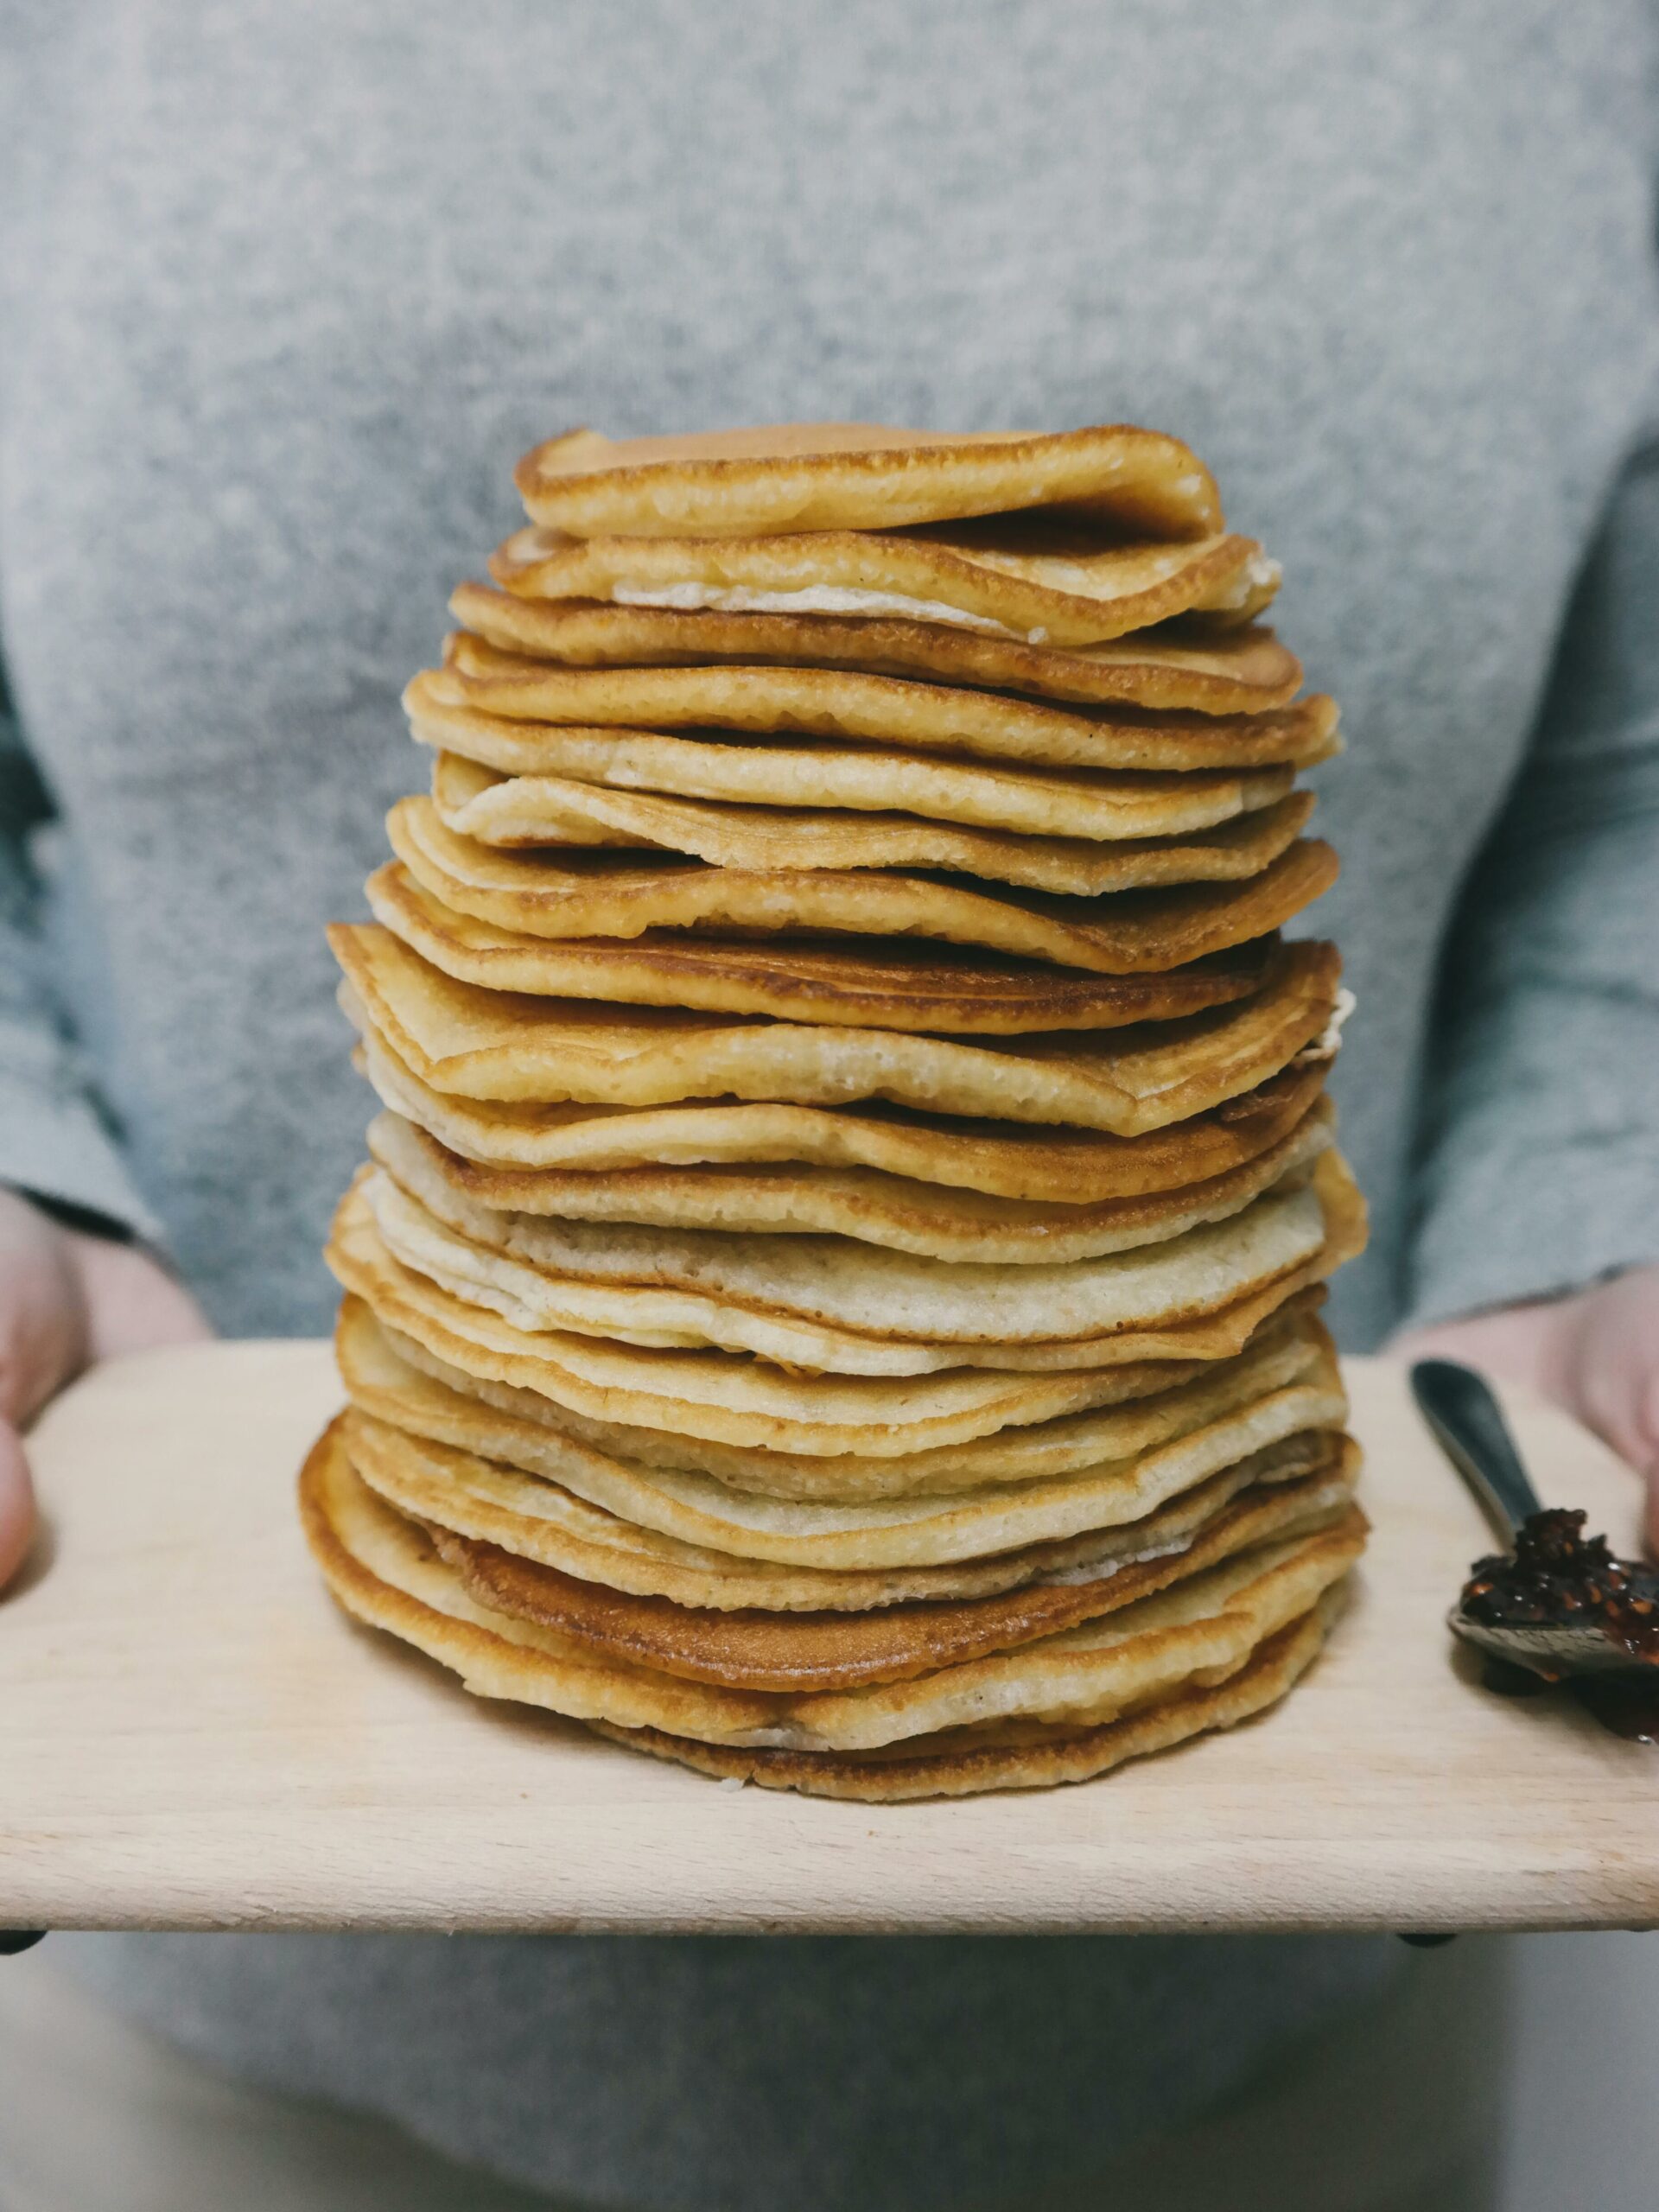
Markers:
{"x": 192, "y": 1737}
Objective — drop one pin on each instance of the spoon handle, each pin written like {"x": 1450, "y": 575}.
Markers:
{"x": 1463, "y": 1415}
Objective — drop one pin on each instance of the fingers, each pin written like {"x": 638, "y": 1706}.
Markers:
{"x": 132, "y": 1303}
{"x": 42, "y": 1311}
{"x": 17, "y": 1504}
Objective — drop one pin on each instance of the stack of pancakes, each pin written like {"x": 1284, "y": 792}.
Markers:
{"x": 834, "y": 1298}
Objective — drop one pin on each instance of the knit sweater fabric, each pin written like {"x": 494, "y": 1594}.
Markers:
{"x": 285, "y": 288}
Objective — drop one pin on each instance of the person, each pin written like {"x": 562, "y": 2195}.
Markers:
{"x": 286, "y": 290}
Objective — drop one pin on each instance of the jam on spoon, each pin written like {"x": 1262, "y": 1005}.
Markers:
{"x": 1557, "y": 1575}
{"x": 1559, "y": 1605}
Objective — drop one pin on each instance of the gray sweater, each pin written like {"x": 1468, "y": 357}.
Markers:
{"x": 286, "y": 288}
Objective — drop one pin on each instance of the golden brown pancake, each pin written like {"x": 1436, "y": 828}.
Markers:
{"x": 801, "y": 476}
{"x": 1016, "y": 1755}
{"x": 727, "y": 1152}
{"x": 1239, "y": 672}
{"x": 476, "y": 1043}
{"x": 884, "y": 984}
{"x": 1019, "y": 575}
{"x": 767, "y": 769}
{"x": 852, "y": 705}
{"x": 524, "y": 813}
{"x": 578, "y": 894}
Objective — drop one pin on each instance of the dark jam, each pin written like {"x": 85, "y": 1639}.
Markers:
{"x": 1557, "y": 1577}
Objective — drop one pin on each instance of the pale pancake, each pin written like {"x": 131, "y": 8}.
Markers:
{"x": 801, "y": 476}
{"x": 1008, "y": 1537}
{"x": 528, "y": 812}
{"x": 1205, "y": 1626}
{"x": 1240, "y": 672}
{"x": 1017, "y": 1755}
{"x": 751, "y": 1402}
{"x": 927, "y": 1527}
{"x": 728, "y": 1146}
{"x": 400, "y": 1381}
{"x": 836, "y": 1307}
{"x": 757, "y": 1648}
{"x": 459, "y": 1496}
{"x": 582, "y": 894}
{"x": 1016, "y": 576}
{"x": 424, "y": 1448}
{"x": 850, "y": 704}
{"x": 928, "y": 1219}
{"x": 889, "y": 985}
{"x": 1089, "y": 804}
{"x": 510, "y": 1482}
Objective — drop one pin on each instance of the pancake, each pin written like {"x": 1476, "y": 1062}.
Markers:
{"x": 754, "y": 1648}
{"x": 898, "y": 713}
{"x": 886, "y": 985}
{"x": 930, "y": 1221}
{"x": 909, "y": 716}
{"x": 751, "y": 1402}
{"x": 729, "y": 1146}
{"x": 462, "y": 1498}
{"x": 1016, "y": 1756}
{"x": 1238, "y": 672}
{"x": 801, "y": 476}
{"x": 1022, "y": 576}
{"x": 834, "y": 1306}
{"x": 473, "y": 1043}
{"x": 581, "y": 894}
{"x": 1081, "y": 804}
{"x": 511, "y": 1483}
{"x": 1206, "y": 1625}
{"x": 400, "y": 1381}
{"x": 527, "y": 812}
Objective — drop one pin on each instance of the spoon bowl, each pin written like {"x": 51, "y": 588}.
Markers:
{"x": 1593, "y": 1614}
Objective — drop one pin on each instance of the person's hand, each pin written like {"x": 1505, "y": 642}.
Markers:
{"x": 66, "y": 1301}
{"x": 1595, "y": 1353}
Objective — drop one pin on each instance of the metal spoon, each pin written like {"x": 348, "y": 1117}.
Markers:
{"x": 1463, "y": 1415}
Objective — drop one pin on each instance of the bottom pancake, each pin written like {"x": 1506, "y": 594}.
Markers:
{"x": 1012, "y": 1759}
{"x": 384, "y": 1570}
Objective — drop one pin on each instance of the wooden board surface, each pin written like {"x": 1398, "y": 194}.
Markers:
{"x": 190, "y": 1736}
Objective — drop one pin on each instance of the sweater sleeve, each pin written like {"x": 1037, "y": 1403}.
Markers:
{"x": 56, "y": 1138}
{"x": 1538, "y": 1163}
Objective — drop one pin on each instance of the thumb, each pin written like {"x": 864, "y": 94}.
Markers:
{"x": 16, "y": 1503}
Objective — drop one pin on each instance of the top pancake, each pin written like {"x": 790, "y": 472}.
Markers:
{"x": 853, "y": 704}
{"x": 1020, "y": 576}
{"x": 811, "y": 476}
{"x": 1241, "y": 672}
